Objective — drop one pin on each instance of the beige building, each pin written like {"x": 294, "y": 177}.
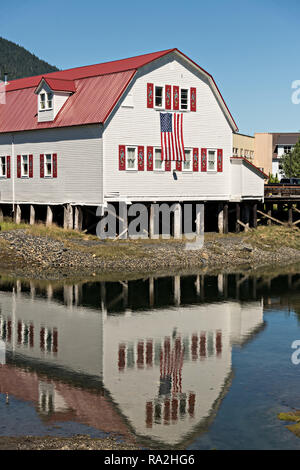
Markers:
{"x": 270, "y": 147}
{"x": 243, "y": 146}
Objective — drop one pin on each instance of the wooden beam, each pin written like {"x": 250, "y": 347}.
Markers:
{"x": 245, "y": 226}
{"x": 271, "y": 218}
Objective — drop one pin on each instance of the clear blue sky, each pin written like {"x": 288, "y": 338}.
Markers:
{"x": 251, "y": 47}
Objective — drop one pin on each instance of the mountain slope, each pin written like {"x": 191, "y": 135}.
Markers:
{"x": 17, "y": 62}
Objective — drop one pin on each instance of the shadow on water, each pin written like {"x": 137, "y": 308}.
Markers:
{"x": 153, "y": 360}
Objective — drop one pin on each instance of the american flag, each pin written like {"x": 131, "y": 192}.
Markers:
{"x": 172, "y": 147}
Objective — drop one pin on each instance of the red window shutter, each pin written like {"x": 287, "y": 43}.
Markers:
{"x": 176, "y": 98}
{"x": 42, "y": 173}
{"x": 203, "y": 159}
{"x": 18, "y": 166}
{"x": 54, "y": 173}
{"x": 178, "y": 165}
{"x": 168, "y": 165}
{"x": 149, "y": 158}
{"x": 8, "y": 166}
{"x": 30, "y": 166}
{"x": 193, "y": 99}
{"x": 141, "y": 158}
{"x": 168, "y": 97}
{"x": 149, "y": 95}
{"x": 122, "y": 160}
{"x": 195, "y": 160}
{"x": 220, "y": 160}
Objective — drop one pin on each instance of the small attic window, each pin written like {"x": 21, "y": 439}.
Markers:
{"x": 42, "y": 101}
{"x": 46, "y": 101}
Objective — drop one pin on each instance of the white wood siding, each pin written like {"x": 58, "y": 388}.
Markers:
{"x": 79, "y": 161}
{"x": 245, "y": 183}
{"x": 206, "y": 128}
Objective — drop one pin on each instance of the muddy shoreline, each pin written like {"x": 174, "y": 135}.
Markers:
{"x": 64, "y": 443}
{"x": 27, "y": 255}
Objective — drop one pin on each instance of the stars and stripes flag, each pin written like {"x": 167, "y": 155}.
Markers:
{"x": 171, "y": 133}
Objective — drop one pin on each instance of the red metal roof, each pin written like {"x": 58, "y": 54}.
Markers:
{"x": 57, "y": 84}
{"x": 96, "y": 90}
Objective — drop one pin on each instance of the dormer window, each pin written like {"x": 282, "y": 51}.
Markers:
{"x": 52, "y": 93}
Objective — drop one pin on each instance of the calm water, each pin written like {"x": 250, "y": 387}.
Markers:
{"x": 196, "y": 362}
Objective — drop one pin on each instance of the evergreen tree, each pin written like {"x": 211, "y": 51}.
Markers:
{"x": 291, "y": 162}
{"x": 17, "y": 62}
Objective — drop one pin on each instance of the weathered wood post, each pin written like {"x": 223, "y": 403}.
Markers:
{"x": 225, "y": 213}
{"x": 78, "y": 218}
{"x": 49, "y": 216}
{"x": 221, "y": 217}
{"x": 32, "y": 215}
{"x": 238, "y": 217}
{"x": 151, "y": 222}
{"x": 254, "y": 213}
{"x": 68, "y": 216}
{"x": 177, "y": 221}
{"x": 246, "y": 216}
{"x": 290, "y": 209}
{"x": 200, "y": 222}
{"x": 269, "y": 208}
{"x": 18, "y": 214}
{"x": 1, "y": 215}
{"x": 177, "y": 292}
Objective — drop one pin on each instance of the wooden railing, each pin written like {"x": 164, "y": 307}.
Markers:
{"x": 282, "y": 190}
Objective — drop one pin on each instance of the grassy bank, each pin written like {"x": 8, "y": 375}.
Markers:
{"x": 25, "y": 248}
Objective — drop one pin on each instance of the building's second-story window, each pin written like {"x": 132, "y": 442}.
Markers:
{"x": 42, "y": 101}
{"x": 158, "y": 96}
{"x": 158, "y": 164}
{"x": 287, "y": 148}
{"x": 187, "y": 163}
{"x": 184, "y": 98}
{"x": 235, "y": 151}
{"x": 2, "y": 167}
{"x": 131, "y": 158}
{"x": 241, "y": 152}
{"x": 24, "y": 166}
{"x": 48, "y": 165}
{"x": 212, "y": 160}
{"x": 50, "y": 100}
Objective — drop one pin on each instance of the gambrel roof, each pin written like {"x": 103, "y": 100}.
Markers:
{"x": 96, "y": 89}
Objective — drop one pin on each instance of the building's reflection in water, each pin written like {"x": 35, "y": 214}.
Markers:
{"x": 150, "y": 358}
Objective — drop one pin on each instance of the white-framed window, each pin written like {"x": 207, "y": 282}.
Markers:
{"x": 48, "y": 165}
{"x": 24, "y": 166}
{"x": 211, "y": 160}
{"x": 184, "y": 99}
{"x": 2, "y": 167}
{"x": 158, "y": 96}
{"x": 43, "y": 101}
{"x": 159, "y": 165}
{"x": 187, "y": 164}
{"x": 46, "y": 101}
{"x": 50, "y": 100}
{"x": 131, "y": 158}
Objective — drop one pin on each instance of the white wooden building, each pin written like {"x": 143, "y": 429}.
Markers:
{"x": 73, "y": 140}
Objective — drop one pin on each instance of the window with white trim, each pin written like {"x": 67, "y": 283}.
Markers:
{"x": 158, "y": 96}
{"x": 2, "y": 167}
{"x": 184, "y": 99}
{"x": 46, "y": 101}
{"x": 131, "y": 158}
{"x": 158, "y": 163}
{"x": 48, "y": 165}
{"x": 43, "y": 101}
{"x": 187, "y": 164}
{"x": 24, "y": 166}
{"x": 50, "y": 100}
{"x": 212, "y": 160}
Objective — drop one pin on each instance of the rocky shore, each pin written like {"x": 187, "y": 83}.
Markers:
{"x": 53, "y": 256}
